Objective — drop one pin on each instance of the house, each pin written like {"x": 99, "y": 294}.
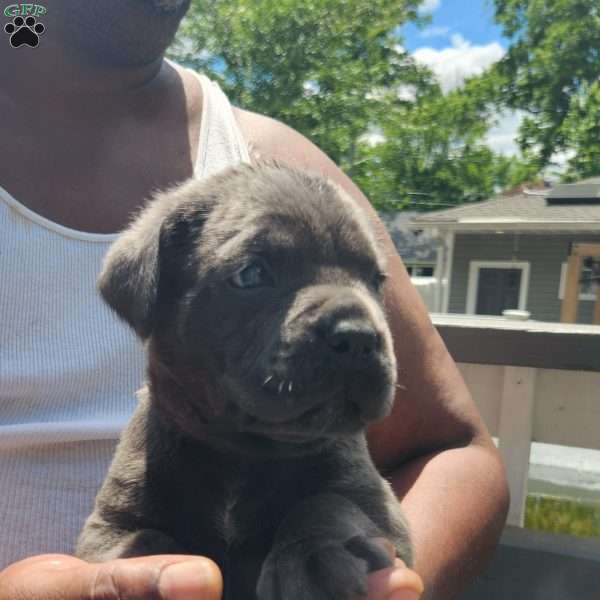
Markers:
{"x": 511, "y": 252}
{"x": 419, "y": 253}
{"x": 417, "y": 249}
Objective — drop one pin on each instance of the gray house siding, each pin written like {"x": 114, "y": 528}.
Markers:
{"x": 544, "y": 252}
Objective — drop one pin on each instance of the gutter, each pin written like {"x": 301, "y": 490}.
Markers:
{"x": 502, "y": 225}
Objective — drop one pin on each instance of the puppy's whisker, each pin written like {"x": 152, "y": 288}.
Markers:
{"x": 267, "y": 380}
{"x": 281, "y": 384}
{"x": 401, "y": 387}
{"x": 290, "y": 387}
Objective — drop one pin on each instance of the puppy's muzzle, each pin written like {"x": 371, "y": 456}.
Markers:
{"x": 336, "y": 350}
{"x": 349, "y": 329}
{"x": 352, "y": 340}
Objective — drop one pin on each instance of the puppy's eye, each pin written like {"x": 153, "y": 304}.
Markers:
{"x": 252, "y": 276}
{"x": 379, "y": 279}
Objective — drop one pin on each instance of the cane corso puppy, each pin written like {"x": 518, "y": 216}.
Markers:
{"x": 258, "y": 292}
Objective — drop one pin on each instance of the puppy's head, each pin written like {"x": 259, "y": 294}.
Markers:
{"x": 260, "y": 293}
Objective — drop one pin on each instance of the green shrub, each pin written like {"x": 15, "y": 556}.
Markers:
{"x": 563, "y": 515}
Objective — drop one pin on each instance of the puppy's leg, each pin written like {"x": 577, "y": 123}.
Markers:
{"x": 324, "y": 550}
{"x": 100, "y": 541}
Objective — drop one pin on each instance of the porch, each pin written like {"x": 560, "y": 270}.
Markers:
{"x": 534, "y": 382}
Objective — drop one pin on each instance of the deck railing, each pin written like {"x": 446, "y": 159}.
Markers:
{"x": 533, "y": 382}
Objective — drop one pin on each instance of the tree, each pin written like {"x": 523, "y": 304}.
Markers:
{"x": 335, "y": 70}
{"x": 581, "y": 128}
{"x": 325, "y": 67}
{"x": 551, "y": 71}
{"x": 434, "y": 153}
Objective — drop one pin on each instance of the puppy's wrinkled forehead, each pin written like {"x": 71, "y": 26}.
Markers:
{"x": 283, "y": 212}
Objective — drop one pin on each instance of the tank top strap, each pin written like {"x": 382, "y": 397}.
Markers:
{"x": 221, "y": 143}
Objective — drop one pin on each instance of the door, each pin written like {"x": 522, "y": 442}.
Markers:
{"x": 497, "y": 290}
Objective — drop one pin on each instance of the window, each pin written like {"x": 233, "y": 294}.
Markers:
{"x": 419, "y": 271}
{"x": 586, "y": 288}
{"x": 495, "y": 286}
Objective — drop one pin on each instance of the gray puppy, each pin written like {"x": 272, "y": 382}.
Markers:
{"x": 258, "y": 292}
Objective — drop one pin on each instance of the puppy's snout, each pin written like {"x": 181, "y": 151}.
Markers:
{"x": 352, "y": 339}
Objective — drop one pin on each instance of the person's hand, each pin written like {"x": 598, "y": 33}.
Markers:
{"x": 61, "y": 577}
{"x": 397, "y": 582}
{"x": 394, "y": 583}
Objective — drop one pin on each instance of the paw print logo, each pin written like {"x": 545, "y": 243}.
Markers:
{"x": 24, "y": 31}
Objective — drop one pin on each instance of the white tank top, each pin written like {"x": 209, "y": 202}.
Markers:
{"x": 69, "y": 368}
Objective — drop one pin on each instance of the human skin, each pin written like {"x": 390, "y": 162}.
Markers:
{"x": 103, "y": 135}
{"x": 175, "y": 577}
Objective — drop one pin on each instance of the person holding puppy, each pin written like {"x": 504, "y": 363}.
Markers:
{"x": 94, "y": 119}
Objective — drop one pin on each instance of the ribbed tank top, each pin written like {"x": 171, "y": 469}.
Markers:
{"x": 69, "y": 368}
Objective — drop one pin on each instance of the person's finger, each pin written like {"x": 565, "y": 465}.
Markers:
{"x": 395, "y": 583}
{"x": 58, "y": 577}
{"x": 388, "y": 546}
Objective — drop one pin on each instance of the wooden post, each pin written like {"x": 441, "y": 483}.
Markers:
{"x": 596, "y": 319}
{"x": 514, "y": 433}
{"x": 568, "y": 311}
{"x": 591, "y": 249}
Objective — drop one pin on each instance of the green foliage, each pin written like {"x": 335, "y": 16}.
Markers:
{"x": 335, "y": 70}
{"x": 434, "y": 154}
{"x": 582, "y": 129}
{"x": 562, "y": 515}
{"x": 325, "y": 67}
{"x": 551, "y": 71}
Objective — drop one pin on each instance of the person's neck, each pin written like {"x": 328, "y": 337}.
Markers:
{"x": 53, "y": 83}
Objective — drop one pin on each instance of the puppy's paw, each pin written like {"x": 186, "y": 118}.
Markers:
{"x": 321, "y": 569}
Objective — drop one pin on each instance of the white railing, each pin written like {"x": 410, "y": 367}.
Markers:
{"x": 532, "y": 381}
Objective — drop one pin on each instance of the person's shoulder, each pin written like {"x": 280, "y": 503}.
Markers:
{"x": 269, "y": 139}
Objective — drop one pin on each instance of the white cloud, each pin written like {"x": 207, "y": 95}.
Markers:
{"x": 408, "y": 93}
{"x": 434, "y": 31}
{"x": 502, "y": 137}
{"x": 373, "y": 136}
{"x": 454, "y": 64}
{"x": 558, "y": 165}
{"x": 429, "y": 6}
{"x": 311, "y": 88}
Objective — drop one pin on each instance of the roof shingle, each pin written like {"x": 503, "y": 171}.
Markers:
{"x": 523, "y": 207}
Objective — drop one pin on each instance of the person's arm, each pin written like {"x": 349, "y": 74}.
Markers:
{"x": 434, "y": 446}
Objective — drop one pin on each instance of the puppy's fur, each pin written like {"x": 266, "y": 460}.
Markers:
{"x": 258, "y": 293}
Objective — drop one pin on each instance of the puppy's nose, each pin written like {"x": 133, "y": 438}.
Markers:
{"x": 351, "y": 338}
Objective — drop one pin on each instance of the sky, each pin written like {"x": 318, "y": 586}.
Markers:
{"x": 463, "y": 40}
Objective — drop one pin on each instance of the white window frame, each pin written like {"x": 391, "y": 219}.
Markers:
{"x": 415, "y": 266}
{"x": 473, "y": 286}
{"x": 563, "y": 283}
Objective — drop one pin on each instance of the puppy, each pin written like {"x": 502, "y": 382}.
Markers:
{"x": 258, "y": 292}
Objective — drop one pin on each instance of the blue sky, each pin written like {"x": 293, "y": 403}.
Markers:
{"x": 462, "y": 40}
{"x": 472, "y": 19}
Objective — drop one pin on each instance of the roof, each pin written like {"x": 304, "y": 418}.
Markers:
{"x": 587, "y": 191}
{"x": 412, "y": 246}
{"x": 564, "y": 207}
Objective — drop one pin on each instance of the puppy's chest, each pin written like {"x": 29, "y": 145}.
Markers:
{"x": 229, "y": 518}
{"x": 247, "y": 512}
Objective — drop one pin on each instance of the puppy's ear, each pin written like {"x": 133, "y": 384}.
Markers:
{"x": 131, "y": 275}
